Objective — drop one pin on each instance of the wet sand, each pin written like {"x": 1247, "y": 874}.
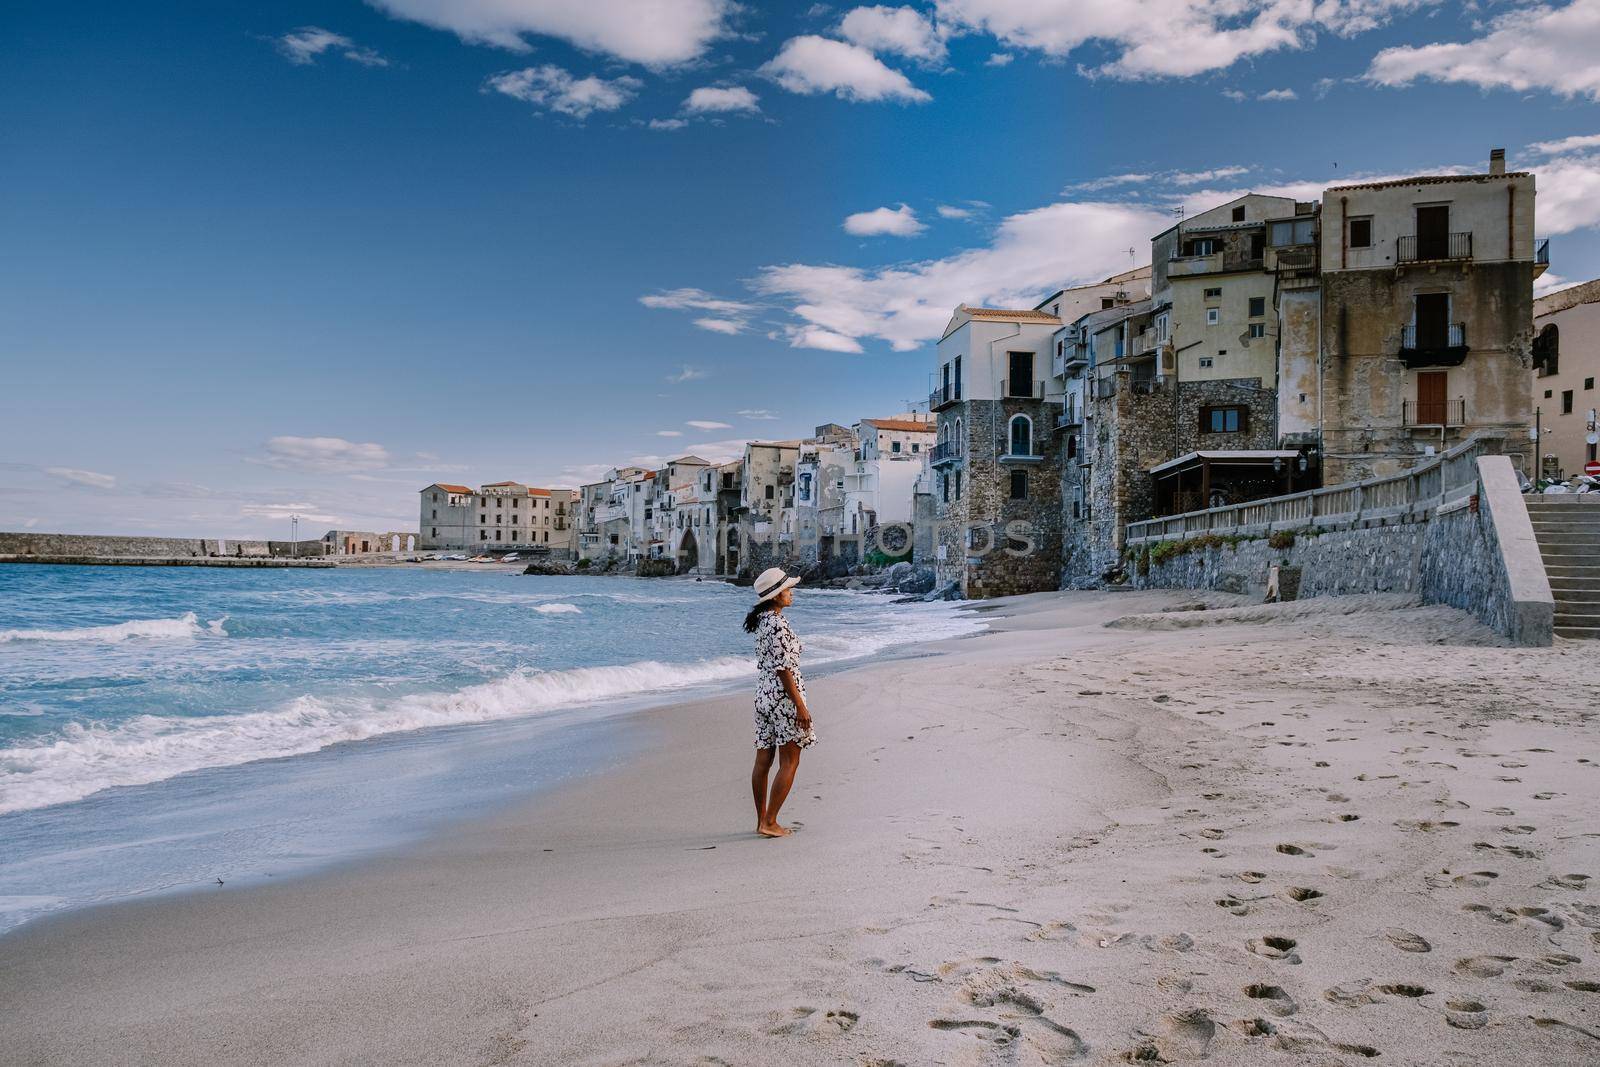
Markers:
{"x": 1335, "y": 832}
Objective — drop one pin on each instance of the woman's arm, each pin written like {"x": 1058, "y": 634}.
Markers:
{"x": 802, "y": 713}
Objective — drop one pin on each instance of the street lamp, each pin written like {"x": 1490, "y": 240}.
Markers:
{"x": 294, "y": 536}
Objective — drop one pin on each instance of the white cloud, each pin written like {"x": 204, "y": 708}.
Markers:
{"x": 894, "y": 222}
{"x": 668, "y": 124}
{"x": 759, "y": 414}
{"x": 710, "y": 99}
{"x": 949, "y": 211}
{"x": 1575, "y": 143}
{"x": 706, "y": 424}
{"x": 327, "y": 455}
{"x": 1279, "y": 94}
{"x": 999, "y": 59}
{"x": 1031, "y": 254}
{"x": 1549, "y": 283}
{"x": 1236, "y": 95}
{"x": 690, "y": 299}
{"x": 1540, "y": 47}
{"x": 1195, "y": 177}
{"x": 303, "y": 46}
{"x": 655, "y": 33}
{"x": 1569, "y": 193}
{"x": 87, "y": 479}
{"x": 308, "y": 513}
{"x": 552, "y": 87}
{"x": 727, "y": 326}
{"x": 811, "y": 64}
{"x": 902, "y": 31}
{"x": 821, "y": 339}
{"x": 718, "y": 451}
{"x": 1167, "y": 38}
{"x": 686, "y": 374}
{"x": 669, "y": 433}
{"x": 1094, "y": 185}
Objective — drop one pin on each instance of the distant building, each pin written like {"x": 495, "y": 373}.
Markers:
{"x": 1566, "y": 362}
{"x": 499, "y": 517}
{"x": 366, "y": 542}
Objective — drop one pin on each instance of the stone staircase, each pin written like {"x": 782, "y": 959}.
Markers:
{"x": 1568, "y": 531}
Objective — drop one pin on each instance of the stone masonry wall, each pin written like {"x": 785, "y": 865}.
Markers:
{"x": 1260, "y": 403}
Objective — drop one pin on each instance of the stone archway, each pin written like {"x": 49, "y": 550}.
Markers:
{"x": 688, "y": 553}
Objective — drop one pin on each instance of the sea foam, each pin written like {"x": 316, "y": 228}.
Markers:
{"x": 86, "y": 758}
{"x": 186, "y": 626}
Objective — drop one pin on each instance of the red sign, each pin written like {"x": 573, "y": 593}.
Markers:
{"x": 1592, "y": 468}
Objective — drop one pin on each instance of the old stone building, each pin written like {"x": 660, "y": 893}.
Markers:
{"x": 1427, "y": 317}
{"x": 1566, "y": 363}
{"x": 998, "y": 501}
{"x": 499, "y": 517}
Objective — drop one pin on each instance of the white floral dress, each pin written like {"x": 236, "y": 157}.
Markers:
{"x": 777, "y": 719}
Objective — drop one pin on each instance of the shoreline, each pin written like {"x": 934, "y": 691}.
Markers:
{"x": 1018, "y": 845}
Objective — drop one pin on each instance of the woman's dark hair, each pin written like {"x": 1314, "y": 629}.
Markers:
{"x": 753, "y": 620}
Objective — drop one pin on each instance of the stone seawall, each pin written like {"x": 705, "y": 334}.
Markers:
{"x": 25, "y": 546}
{"x": 1480, "y": 558}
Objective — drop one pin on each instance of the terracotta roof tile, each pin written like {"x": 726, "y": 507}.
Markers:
{"x": 901, "y": 425}
{"x": 447, "y": 487}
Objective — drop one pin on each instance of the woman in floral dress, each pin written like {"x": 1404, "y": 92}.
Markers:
{"x": 783, "y": 722}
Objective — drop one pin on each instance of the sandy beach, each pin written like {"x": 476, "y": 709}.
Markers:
{"x": 1329, "y": 832}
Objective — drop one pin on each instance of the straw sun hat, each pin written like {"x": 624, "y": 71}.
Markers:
{"x": 772, "y": 582}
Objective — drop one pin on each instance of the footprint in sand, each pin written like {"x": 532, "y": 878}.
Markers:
{"x": 1294, "y": 850}
{"x": 814, "y": 1022}
{"x": 1466, "y": 1014}
{"x": 1403, "y": 989}
{"x": 1272, "y": 998}
{"x": 1302, "y": 894}
{"x": 1475, "y": 880}
{"x": 1352, "y": 994}
{"x": 1566, "y": 881}
{"x": 1274, "y": 947}
{"x": 1406, "y": 941}
{"x": 1483, "y": 966}
{"x": 1181, "y": 1037}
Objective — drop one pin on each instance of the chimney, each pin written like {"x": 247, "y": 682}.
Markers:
{"x": 1497, "y": 161}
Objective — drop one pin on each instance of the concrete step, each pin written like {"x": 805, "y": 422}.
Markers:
{"x": 1581, "y": 633}
{"x": 1567, "y": 617}
{"x": 1571, "y": 570}
{"x": 1564, "y": 520}
{"x": 1570, "y": 554}
{"x": 1560, "y": 585}
{"x": 1572, "y": 595}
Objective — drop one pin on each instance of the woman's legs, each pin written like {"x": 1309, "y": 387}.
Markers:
{"x": 788, "y": 763}
{"x": 758, "y": 784}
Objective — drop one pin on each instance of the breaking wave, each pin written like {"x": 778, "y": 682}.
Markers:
{"x": 558, "y": 609}
{"x": 86, "y": 758}
{"x": 186, "y": 626}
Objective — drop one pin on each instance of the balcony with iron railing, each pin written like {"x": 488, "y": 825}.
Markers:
{"x": 1021, "y": 389}
{"x": 1432, "y": 414}
{"x": 944, "y": 396}
{"x": 1071, "y": 415}
{"x": 945, "y": 452}
{"x": 1541, "y": 256}
{"x": 1414, "y": 248}
{"x": 1444, "y": 345}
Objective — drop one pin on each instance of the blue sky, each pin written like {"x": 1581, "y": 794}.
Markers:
{"x": 310, "y": 257}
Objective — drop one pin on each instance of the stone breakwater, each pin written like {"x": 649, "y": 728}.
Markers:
{"x": 95, "y": 549}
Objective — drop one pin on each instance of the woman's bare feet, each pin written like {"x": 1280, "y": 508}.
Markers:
{"x": 774, "y": 830}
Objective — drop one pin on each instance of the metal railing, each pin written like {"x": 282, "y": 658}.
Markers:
{"x": 1541, "y": 251}
{"x": 946, "y": 452}
{"x": 1012, "y": 389}
{"x": 1071, "y": 416}
{"x": 1455, "y": 336}
{"x": 1414, "y": 249}
{"x": 1415, "y": 493}
{"x": 1434, "y": 412}
{"x": 943, "y": 397}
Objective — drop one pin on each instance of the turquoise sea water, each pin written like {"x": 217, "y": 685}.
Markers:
{"x": 163, "y": 727}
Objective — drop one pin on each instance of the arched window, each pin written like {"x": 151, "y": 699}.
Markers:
{"x": 1547, "y": 351}
{"x": 1021, "y": 436}
{"x": 959, "y": 435}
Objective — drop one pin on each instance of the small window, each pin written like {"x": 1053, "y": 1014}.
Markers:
{"x": 1230, "y": 419}
{"x": 1258, "y": 329}
{"x": 1213, "y": 316}
{"x": 1214, "y": 294}
{"x": 1566, "y": 401}
{"x": 770, "y": 492}
{"x": 894, "y": 446}
{"x": 1588, "y": 383}
{"x": 958, "y": 485}
{"x": 1360, "y": 233}
{"x": 1238, "y": 213}
{"x": 1258, "y": 306}
{"x": 1548, "y": 394}
{"x": 1106, "y": 303}
{"x": 915, "y": 448}
{"x": 1019, "y": 485}
{"x": 435, "y": 532}
{"x": 1205, "y": 361}
{"x": 1258, "y": 245}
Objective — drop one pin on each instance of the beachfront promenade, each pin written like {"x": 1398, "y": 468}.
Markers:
{"x": 1339, "y": 829}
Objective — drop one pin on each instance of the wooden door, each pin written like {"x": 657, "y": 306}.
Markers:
{"x": 1020, "y": 384}
{"x": 1431, "y": 390}
{"x": 1433, "y": 232}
